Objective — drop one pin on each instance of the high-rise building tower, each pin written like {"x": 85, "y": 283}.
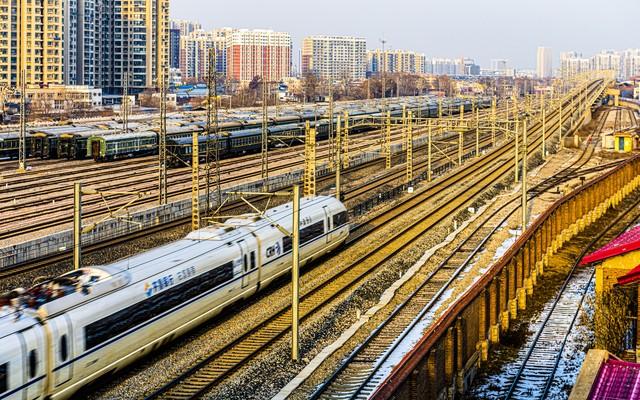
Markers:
{"x": 573, "y": 63}
{"x": 174, "y": 48}
{"x": 607, "y": 60}
{"x": 106, "y": 41}
{"x": 80, "y": 42}
{"x": 335, "y": 57}
{"x": 195, "y": 50}
{"x": 258, "y": 53}
{"x": 134, "y": 43}
{"x": 396, "y": 61}
{"x": 31, "y": 36}
{"x": 185, "y": 27}
{"x": 544, "y": 64}
{"x": 631, "y": 61}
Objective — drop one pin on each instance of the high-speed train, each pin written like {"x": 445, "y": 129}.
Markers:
{"x": 62, "y": 334}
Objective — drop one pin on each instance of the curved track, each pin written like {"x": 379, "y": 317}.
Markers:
{"x": 538, "y": 366}
{"x": 360, "y": 373}
{"x": 471, "y": 179}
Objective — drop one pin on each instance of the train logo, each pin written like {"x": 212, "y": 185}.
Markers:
{"x": 158, "y": 285}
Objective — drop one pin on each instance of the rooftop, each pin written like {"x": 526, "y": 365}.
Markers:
{"x": 625, "y": 243}
{"x": 617, "y": 379}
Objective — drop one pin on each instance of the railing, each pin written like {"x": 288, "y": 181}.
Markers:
{"x": 445, "y": 359}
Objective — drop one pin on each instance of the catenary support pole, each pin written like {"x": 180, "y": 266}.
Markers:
{"x": 524, "y": 176}
{"x": 77, "y": 225}
{"x": 295, "y": 275}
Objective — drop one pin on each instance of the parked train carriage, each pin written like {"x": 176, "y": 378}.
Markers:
{"x": 284, "y": 119}
{"x": 47, "y": 142}
{"x": 123, "y": 145}
{"x": 75, "y": 145}
{"x": 45, "y": 145}
{"x": 10, "y": 145}
{"x": 360, "y": 120}
{"x": 286, "y": 135}
{"x": 74, "y": 329}
{"x": 180, "y": 149}
{"x": 245, "y": 141}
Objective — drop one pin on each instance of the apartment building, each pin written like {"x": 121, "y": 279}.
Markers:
{"x": 395, "y": 61}
{"x": 31, "y": 33}
{"x": 261, "y": 53}
{"x": 335, "y": 57}
{"x": 195, "y": 51}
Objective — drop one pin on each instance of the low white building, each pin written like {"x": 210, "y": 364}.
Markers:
{"x": 64, "y": 97}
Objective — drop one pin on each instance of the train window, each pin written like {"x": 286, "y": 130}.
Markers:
{"x": 33, "y": 363}
{"x": 253, "y": 260}
{"x": 246, "y": 265}
{"x": 119, "y": 322}
{"x": 339, "y": 219}
{"x": 4, "y": 377}
{"x": 307, "y": 234}
{"x": 64, "y": 351}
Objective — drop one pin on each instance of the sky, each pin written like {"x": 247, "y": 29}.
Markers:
{"x": 478, "y": 29}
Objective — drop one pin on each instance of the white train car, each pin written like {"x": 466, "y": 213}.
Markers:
{"x": 63, "y": 334}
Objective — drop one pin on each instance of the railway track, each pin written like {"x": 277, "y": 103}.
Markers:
{"x": 363, "y": 369}
{"x": 472, "y": 179}
{"x": 439, "y": 166}
{"x": 16, "y": 224}
{"x": 539, "y": 364}
{"x": 124, "y": 166}
{"x": 214, "y": 368}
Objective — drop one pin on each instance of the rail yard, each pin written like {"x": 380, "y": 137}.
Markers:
{"x": 431, "y": 234}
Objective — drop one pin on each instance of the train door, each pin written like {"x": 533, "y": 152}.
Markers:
{"x": 11, "y": 367}
{"x": 62, "y": 349}
{"x": 620, "y": 144}
{"x": 34, "y": 362}
{"x": 244, "y": 254}
{"x": 327, "y": 228}
{"x": 249, "y": 264}
{"x": 95, "y": 149}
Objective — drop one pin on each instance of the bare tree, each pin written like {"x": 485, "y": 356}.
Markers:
{"x": 310, "y": 83}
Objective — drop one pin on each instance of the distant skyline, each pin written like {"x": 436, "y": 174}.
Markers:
{"x": 483, "y": 30}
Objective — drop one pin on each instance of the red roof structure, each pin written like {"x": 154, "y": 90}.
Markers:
{"x": 631, "y": 277}
{"x": 628, "y": 241}
{"x": 617, "y": 380}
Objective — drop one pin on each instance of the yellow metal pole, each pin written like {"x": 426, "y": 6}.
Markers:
{"x": 22, "y": 137}
{"x": 560, "y": 123}
{"x": 429, "y": 154}
{"x": 515, "y": 171}
{"x": 493, "y": 121}
{"x": 345, "y": 142}
{"x": 309, "y": 162}
{"x": 524, "y": 175}
{"x": 460, "y": 144}
{"x": 409, "y": 147}
{"x": 338, "y": 156}
{"x": 387, "y": 142}
{"x": 295, "y": 275}
{"x": 544, "y": 133}
{"x": 461, "y": 113}
{"x": 477, "y": 132}
{"x": 77, "y": 225}
{"x": 573, "y": 111}
{"x": 195, "y": 184}
{"x": 404, "y": 126}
